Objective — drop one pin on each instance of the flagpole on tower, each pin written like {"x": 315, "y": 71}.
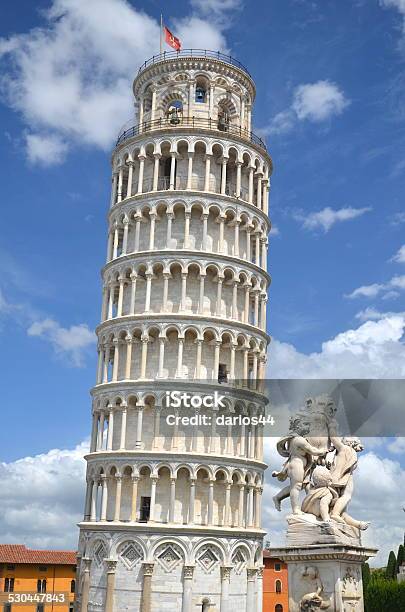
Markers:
{"x": 161, "y": 33}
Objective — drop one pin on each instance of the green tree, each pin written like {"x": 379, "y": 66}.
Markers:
{"x": 391, "y": 566}
{"x": 384, "y": 596}
{"x": 400, "y": 557}
{"x": 366, "y": 575}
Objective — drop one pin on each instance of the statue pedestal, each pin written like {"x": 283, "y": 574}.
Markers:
{"x": 325, "y": 577}
{"x": 306, "y": 529}
{"x": 324, "y": 565}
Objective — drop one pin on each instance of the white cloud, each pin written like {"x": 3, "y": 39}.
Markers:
{"x": 314, "y": 102}
{"x": 72, "y": 341}
{"x": 70, "y": 80}
{"x": 274, "y": 231}
{"x": 42, "y": 498}
{"x": 216, "y": 9}
{"x": 45, "y": 150}
{"x": 374, "y": 350}
{"x": 371, "y": 314}
{"x": 398, "y": 218}
{"x": 397, "y": 447}
{"x": 389, "y": 289}
{"x": 326, "y": 218}
{"x": 396, "y": 4}
{"x": 318, "y": 101}
{"x": 399, "y": 256}
{"x": 193, "y": 27}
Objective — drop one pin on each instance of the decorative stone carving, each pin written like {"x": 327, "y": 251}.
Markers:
{"x": 314, "y": 600}
{"x": 131, "y": 554}
{"x": 100, "y": 553}
{"x": 239, "y": 561}
{"x": 148, "y": 569}
{"x": 169, "y": 556}
{"x": 207, "y": 559}
{"x": 111, "y": 565}
{"x": 188, "y": 571}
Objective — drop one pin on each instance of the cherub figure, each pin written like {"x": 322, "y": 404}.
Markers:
{"x": 300, "y": 455}
{"x": 321, "y": 495}
{"x": 342, "y": 469}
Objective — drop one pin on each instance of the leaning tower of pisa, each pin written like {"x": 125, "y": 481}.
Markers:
{"x": 173, "y": 506}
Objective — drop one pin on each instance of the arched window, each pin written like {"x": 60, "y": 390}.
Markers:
{"x": 205, "y": 605}
{"x": 200, "y": 94}
{"x": 278, "y": 586}
{"x": 201, "y": 90}
{"x": 175, "y": 112}
{"x": 73, "y": 586}
{"x": 223, "y": 120}
{"x": 278, "y": 608}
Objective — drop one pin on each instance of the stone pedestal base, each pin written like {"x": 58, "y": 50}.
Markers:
{"x": 325, "y": 576}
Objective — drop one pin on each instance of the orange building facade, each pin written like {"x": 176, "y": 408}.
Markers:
{"x": 36, "y": 580}
{"x": 275, "y": 584}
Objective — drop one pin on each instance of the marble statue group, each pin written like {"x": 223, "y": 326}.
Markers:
{"x": 319, "y": 462}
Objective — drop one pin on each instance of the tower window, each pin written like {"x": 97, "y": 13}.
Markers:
{"x": 223, "y": 120}
{"x": 200, "y": 94}
{"x": 278, "y": 586}
{"x": 145, "y": 510}
{"x": 205, "y": 605}
{"x": 73, "y": 586}
{"x": 8, "y": 585}
{"x": 222, "y": 373}
{"x": 277, "y": 567}
{"x": 41, "y": 586}
{"x": 278, "y": 608}
{"x": 175, "y": 112}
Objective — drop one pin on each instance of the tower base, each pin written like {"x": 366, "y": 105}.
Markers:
{"x": 325, "y": 576}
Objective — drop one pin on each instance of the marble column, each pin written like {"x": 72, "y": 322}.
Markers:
{"x": 130, "y": 175}
{"x": 104, "y": 498}
{"x": 191, "y": 501}
{"x": 225, "y": 581}
{"x": 123, "y": 428}
{"x": 223, "y": 175}
{"x": 155, "y": 183}
{"x": 188, "y": 572}
{"x": 153, "y": 481}
{"x": 172, "y": 499}
{"x": 128, "y": 358}
{"x": 140, "y": 175}
{"x": 138, "y": 443}
{"x": 84, "y": 602}
{"x": 134, "y": 499}
{"x": 117, "y": 509}
{"x": 190, "y": 171}
{"x": 147, "y": 587}
{"x": 250, "y": 597}
{"x": 172, "y": 171}
{"x": 210, "y": 502}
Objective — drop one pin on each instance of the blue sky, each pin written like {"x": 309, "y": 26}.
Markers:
{"x": 330, "y": 90}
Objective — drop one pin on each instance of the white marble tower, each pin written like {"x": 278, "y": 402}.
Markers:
{"x": 173, "y": 513}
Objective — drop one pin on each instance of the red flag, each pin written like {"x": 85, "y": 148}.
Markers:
{"x": 172, "y": 40}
